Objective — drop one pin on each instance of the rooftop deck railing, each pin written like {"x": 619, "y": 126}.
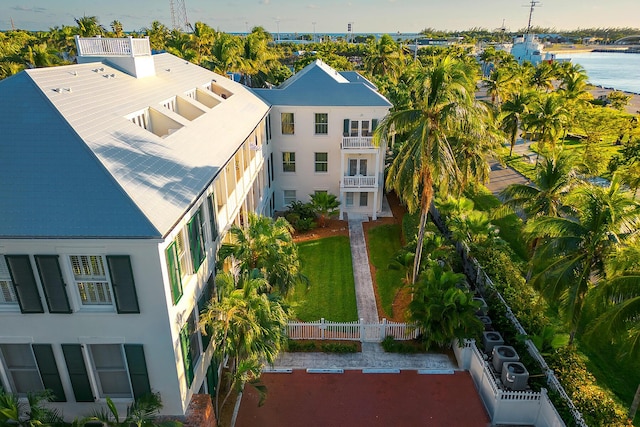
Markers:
{"x": 98, "y": 46}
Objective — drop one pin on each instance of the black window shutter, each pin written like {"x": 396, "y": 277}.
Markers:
{"x": 124, "y": 288}
{"x": 49, "y": 371}
{"x": 137, "y": 369}
{"x": 374, "y": 124}
{"x": 77, "y": 372}
{"x": 212, "y": 217}
{"x": 24, "y": 283}
{"x": 52, "y": 283}
{"x": 345, "y": 129}
{"x": 203, "y": 303}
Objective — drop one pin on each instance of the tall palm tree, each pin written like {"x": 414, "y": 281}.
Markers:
{"x": 444, "y": 103}
{"x": 265, "y": 247}
{"x": 499, "y": 85}
{"x": 547, "y": 118}
{"x": 574, "y": 248}
{"x": 89, "y": 26}
{"x": 384, "y": 58}
{"x": 226, "y": 53}
{"x": 247, "y": 327}
{"x": 117, "y": 28}
{"x": 158, "y": 35}
{"x": 513, "y": 110}
{"x": 543, "y": 76}
{"x": 552, "y": 182}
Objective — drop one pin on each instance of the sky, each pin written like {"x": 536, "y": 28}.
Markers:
{"x": 329, "y": 16}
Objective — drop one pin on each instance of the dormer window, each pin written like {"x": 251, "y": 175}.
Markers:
{"x": 154, "y": 121}
{"x": 182, "y": 107}
{"x": 219, "y": 90}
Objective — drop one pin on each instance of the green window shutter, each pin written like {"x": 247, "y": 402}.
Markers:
{"x": 137, "y": 365}
{"x": 212, "y": 377}
{"x": 212, "y": 217}
{"x": 175, "y": 277}
{"x": 374, "y": 124}
{"x": 124, "y": 288}
{"x": 196, "y": 242}
{"x": 53, "y": 284}
{"x": 77, "y": 372}
{"x": 345, "y": 128}
{"x": 24, "y": 283}
{"x": 49, "y": 371}
{"x": 186, "y": 354}
{"x": 203, "y": 302}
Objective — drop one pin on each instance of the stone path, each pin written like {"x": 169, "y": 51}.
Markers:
{"x": 365, "y": 296}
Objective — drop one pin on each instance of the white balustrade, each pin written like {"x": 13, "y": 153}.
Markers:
{"x": 355, "y": 142}
{"x": 359, "y": 181}
{"x": 99, "y": 46}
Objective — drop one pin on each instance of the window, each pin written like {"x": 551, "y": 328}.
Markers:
{"x": 213, "y": 224}
{"x": 96, "y": 289}
{"x": 175, "y": 274}
{"x": 155, "y": 121}
{"x": 31, "y": 368}
{"x": 288, "y": 162}
{"x": 322, "y": 123}
{"x": 91, "y": 279}
{"x": 364, "y": 199}
{"x": 322, "y": 162}
{"x": 190, "y": 345}
{"x": 349, "y": 199}
{"x": 7, "y": 294}
{"x": 196, "y": 239}
{"x": 354, "y": 128}
{"x": 357, "y": 167}
{"x": 365, "y": 128}
{"x": 287, "y": 123}
{"x": 289, "y": 197}
{"x": 110, "y": 370}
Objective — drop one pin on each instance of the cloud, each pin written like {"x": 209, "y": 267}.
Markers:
{"x": 29, "y": 9}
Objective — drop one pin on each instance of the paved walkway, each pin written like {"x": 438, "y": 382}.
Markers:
{"x": 501, "y": 177}
{"x": 365, "y": 296}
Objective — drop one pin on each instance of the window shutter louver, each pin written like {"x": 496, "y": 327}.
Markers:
{"x": 124, "y": 288}
{"x": 212, "y": 218}
{"x": 24, "y": 283}
{"x": 77, "y": 372}
{"x": 49, "y": 371}
{"x": 346, "y": 127}
{"x": 175, "y": 276}
{"x": 374, "y": 125}
{"x": 55, "y": 291}
{"x": 186, "y": 355}
{"x": 137, "y": 365}
{"x": 203, "y": 302}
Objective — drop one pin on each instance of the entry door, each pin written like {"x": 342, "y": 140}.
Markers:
{"x": 357, "y": 167}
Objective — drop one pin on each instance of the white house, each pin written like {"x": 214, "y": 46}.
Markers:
{"x": 322, "y": 123}
{"x": 121, "y": 176}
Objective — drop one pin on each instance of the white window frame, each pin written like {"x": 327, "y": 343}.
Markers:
{"x": 321, "y": 163}
{"x": 292, "y": 124}
{"x": 321, "y": 128}
{"x": 349, "y": 199}
{"x": 290, "y": 162}
{"x": 8, "y": 377}
{"x": 95, "y": 377}
{"x": 101, "y": 279}
{"x": 8, "y": 297}
{"x": 363, "y": 195}
{"x": 289, "y": 198}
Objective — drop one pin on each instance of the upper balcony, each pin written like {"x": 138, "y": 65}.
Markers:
{"x": 108, "y": 47}
{"x": 359, "y": 181}
{"x": 358, "y": 143}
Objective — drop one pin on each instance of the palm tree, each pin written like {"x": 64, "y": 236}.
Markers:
{"x": 226, "y": 53}
{"x": 32, "y": 413}
{"x": 547, "y": 118}
{"x": 512, "y": 112}
{"x": 542, "y": 77}
{"x": 499, "y": 85}
{"x": 41, "y": 55}
{"x": 89, "y": 26}
{"x": 158, "y": 35}
{"x": 444, "y": 102}
{"x": 140, "y": 413}
{"x": 574, "y": 248}
{"x": 384, "y": 58}
{"x": 247, "y": 327}
{"x": 442, "y": 310}
{"x": 265, "y": 248}
{"x": 116, "y": 27}
{"x": 325, "y": 206}
{"x": 552, "y": 182}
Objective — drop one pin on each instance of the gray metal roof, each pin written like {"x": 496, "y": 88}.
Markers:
{"x": 318, "y": 84}
{"x": 73, "y": 165}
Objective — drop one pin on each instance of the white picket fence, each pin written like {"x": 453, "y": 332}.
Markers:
{"x": 351, "y": 331}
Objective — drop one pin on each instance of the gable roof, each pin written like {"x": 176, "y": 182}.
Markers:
{"x": 74, "y": 165}
{"x": 319, "y": 84}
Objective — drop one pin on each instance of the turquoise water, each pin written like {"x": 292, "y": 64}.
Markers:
{"x": 615, "y": 70}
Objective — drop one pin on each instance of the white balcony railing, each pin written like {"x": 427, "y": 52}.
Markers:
{"x": 98, "y": 46}
{"x": 359, "y": 182}
{"x": 354, "y": 142}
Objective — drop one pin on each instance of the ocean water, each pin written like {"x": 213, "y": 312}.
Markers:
{"x": 620, "y": 71}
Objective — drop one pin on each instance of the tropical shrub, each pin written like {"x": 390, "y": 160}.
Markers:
{"x": 301, "y": 216}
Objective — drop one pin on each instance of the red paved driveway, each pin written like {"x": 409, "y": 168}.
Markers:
{"x": 357, "y": 399}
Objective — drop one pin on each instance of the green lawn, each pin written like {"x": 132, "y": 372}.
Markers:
{"x": 331, "y": 293}
{"x": 384, "y": 243}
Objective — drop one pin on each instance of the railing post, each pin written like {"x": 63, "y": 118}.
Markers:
{"x": 362, "y": 333}
{"x": 322, "y": 327}
{"x": 383, "y": 329}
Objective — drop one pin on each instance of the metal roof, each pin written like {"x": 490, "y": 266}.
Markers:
{"x": 74, "y": 166}
{"x": 318, "y": 84}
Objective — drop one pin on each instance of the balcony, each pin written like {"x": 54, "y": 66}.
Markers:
{"x": 98, "y": 46}
{"x": 357, "y": 142}
{"x": 359, "y": 182}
